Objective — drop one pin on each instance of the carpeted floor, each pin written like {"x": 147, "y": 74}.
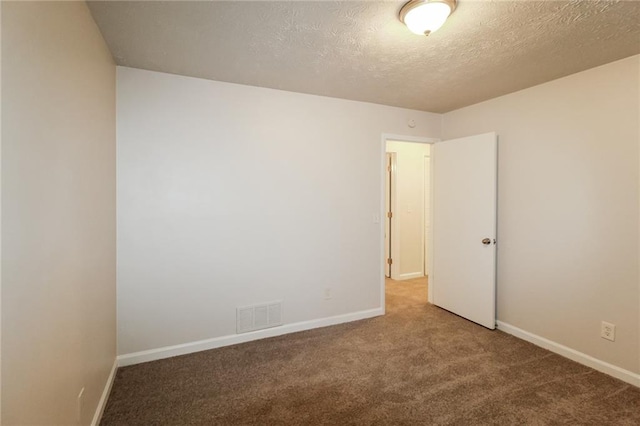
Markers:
{"x": 416, "y": 365}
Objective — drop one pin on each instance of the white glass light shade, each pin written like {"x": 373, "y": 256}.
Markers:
{"x": 425, "y": 17}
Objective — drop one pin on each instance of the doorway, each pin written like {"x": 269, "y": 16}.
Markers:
{"x": 406, "y": 202}
{"x": 459, "y": 178}
{"x": 406, "y": 209}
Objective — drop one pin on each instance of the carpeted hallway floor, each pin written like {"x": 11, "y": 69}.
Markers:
{"x": 416, "y": 365}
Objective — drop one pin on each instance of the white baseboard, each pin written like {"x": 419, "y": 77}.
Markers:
{"x": 579, "y": 357}
{"x": 217, "y": 342}
{"x": 105, "y": 395}
{"x": 409, "y": 276}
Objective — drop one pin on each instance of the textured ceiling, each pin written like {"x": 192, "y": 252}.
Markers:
{"x": 360, "y": 50}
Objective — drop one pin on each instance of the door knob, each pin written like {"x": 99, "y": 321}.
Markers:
{"x": 486, "y": 241}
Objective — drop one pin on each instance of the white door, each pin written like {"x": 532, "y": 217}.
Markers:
{"x": 463, "y": 223}
{"x": 387, "y": 219}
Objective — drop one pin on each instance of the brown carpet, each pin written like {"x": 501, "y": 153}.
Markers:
{"x": 416, "y": 365}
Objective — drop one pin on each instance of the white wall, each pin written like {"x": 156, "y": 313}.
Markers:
{"x": 231, "y": 195}
{"x": 568, "y": 207}
{"x": 409, "y": 214}
{"x": 58, "y": 213}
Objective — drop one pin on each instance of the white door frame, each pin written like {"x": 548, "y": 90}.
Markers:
{"x": 396, "y": 259}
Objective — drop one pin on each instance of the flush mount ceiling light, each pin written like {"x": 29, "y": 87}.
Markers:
{"x": 425, "y": 16}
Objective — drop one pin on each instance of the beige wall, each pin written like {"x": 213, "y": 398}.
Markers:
{"x": 568, "y": 207}
{"x": 58, "y": 213}
{"x": 409, "y": 204}
{"x": 246, "y": 195}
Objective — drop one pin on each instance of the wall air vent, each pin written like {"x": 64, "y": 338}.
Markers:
{"x": 257, "y": 317}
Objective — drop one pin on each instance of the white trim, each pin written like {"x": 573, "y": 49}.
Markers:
{"x": 426, "y": 207}
{"x": 234, "y": 339}
{"x": 404, "y": 138}
{"x": 579, "y": 357}
{"x": 1, "y": 218}
{"x": 381, "y": 215}
{"x": 430, "y": 251}
{"x": 105, "y": 395}
{"x": 638, "y": 118}
{"x": 410, "y": 276}
{"x": 394, "y": 269}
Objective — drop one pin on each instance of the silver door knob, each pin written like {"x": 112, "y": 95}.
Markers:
{"x": 486, "y": 241}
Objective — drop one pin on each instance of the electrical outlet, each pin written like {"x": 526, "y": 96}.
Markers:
{"x": 327, "y": 293}
{"x": 79, "y": 407}
{"x": 608, "y": 331}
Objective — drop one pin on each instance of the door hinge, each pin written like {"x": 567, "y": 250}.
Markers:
{"x": 389, "y": 215}
{"x": 390, "y": 261}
